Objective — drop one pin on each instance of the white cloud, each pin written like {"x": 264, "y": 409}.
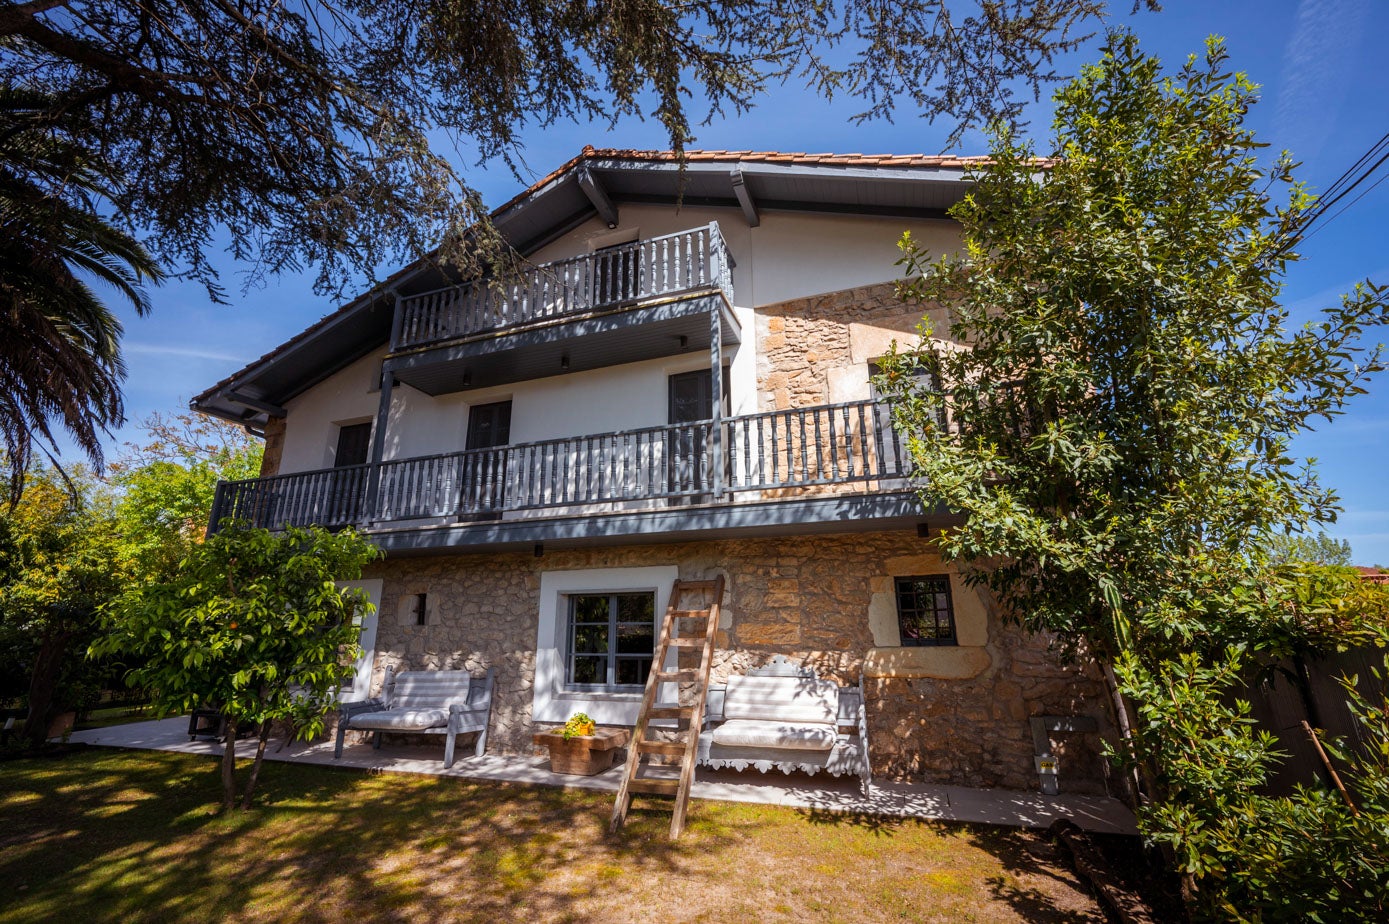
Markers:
{"x": 1317, "y": 65}
{"x": 155, "y": 349}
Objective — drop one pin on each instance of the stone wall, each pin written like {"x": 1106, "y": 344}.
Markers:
{"x": 816, "y": 350}
{"x": 274, "y": 447}
{"x": 954, "y": 714}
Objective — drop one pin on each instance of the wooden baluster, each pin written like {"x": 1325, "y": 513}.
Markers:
{"x": 776, "y": 451}
{"x": 805, "y": 463}
{"x": 819, "y": 451}
{"x": 860, "y": 442}
{"x": 747, "y": 457}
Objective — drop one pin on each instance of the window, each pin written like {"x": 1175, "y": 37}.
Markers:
{"x": 354, "y": 445}
{"x": 926, "y": 380}
{"x": 489, "y": 425}
{"x": 610, "y": 641}
{"x": 616, "y": 273}
{"x": 924, "y": 612}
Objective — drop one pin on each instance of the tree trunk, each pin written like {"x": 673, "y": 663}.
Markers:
{"x": 229, "y": 763}
{"x": 1121, "y": 718}
{"x": 44, "y": 683}
{"x": 255, "y": 766}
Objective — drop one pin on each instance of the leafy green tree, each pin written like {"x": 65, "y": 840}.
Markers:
{"x": 252, "y": 624}
{"x": 1321, "y": 549}
{"x": 61, "y": 559}
{"x": 1117, "y": 433}
{"x": 304, "y": 130}
{"x": 60, "y": 361}
{"x": 166, "y": 484}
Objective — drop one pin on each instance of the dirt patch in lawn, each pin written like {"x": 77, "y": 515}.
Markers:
{"x": 112, "y": 835}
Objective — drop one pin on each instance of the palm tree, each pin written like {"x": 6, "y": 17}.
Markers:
{"x": 60, "y": 360}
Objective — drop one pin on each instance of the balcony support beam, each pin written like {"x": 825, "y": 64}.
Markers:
{"x": 397, "y": 316}
{"x": 744, "y": 196}
{"x": 272, "y": 410}
{"x": 716, "y": 386}
{"x": 599, "y": 197}
{"x": 378, "y": 443}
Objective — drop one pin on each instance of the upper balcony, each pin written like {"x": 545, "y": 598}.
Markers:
{"x": 640, "y": 300}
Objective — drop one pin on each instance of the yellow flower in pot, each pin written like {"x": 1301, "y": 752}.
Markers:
{"x": 579, "y": 724}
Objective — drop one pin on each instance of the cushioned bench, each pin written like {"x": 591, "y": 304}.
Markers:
{"x": 786, "y": 717}
{"x": 426, "y": 703}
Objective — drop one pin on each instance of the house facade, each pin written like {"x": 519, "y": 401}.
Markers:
{"x": 676, "y": 385}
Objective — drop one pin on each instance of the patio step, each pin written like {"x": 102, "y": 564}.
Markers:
{"x": 687, "y": 750}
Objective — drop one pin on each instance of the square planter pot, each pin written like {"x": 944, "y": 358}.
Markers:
{"x": 582, "y": 755}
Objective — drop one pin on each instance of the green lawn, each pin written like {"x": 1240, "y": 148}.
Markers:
{"x": 106, "y": 835}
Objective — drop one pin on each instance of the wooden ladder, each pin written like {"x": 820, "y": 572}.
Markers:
{"x": 691, "y": 712}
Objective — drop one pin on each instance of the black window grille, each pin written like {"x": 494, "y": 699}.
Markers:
{"x": 925, "y": 614}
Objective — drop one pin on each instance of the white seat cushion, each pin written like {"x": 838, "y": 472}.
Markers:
{"x": 760, "y": 733}
{"x": 782, "y": 699}
{"x": 401, "y": 719}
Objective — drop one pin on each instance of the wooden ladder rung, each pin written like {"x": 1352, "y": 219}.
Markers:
{"x": 689, "y": 614}
{"x": 654, "y": 786}
{"x": 667, "y": 748}
{"x": 698, "y": 585}
{"x": 671, "y": 711}
{"x": 688, "y": 673}
{"x": 691, "y": 642}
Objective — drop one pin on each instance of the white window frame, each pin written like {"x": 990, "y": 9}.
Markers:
{"x": 551, "y": 701}
{"x": 612, "y": 655}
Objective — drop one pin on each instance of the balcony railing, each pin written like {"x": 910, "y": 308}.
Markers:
{"x": 659, "y": 267}
{"x": 775, "y": 455}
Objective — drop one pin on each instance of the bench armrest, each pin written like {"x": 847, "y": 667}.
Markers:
{"x": 359, "y": 707}
{"x": 713, "y": 703}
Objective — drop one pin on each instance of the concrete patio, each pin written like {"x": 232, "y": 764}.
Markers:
{"x": 814, "y": 794}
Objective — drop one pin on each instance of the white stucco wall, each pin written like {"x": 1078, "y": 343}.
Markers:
{"x": 346, "y": 397}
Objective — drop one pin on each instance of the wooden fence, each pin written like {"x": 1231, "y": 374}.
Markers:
{"x": 1282, "y": 702}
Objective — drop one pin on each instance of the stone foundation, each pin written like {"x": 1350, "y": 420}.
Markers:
{"x": 953, "y": 714}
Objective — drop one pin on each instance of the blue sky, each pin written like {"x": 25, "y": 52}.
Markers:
{"x": 1325, "y": 97}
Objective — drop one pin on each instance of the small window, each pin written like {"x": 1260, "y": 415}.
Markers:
{"x": 421, "y": 609}
{"x": 925, "y": 615}
{"x": 610, "y": 639}
{"x": 489, "y": 425}
{"x": 354, "y": 445}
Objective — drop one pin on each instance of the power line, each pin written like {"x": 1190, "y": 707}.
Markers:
{"x": 1344, "y": 185}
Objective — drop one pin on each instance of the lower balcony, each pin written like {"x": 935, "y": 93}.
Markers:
{"x": 828, "y": 468}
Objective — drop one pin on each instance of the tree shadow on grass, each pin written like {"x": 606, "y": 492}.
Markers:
{"x": 1037, "y": 883}
{"x": 134, "y": 836}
